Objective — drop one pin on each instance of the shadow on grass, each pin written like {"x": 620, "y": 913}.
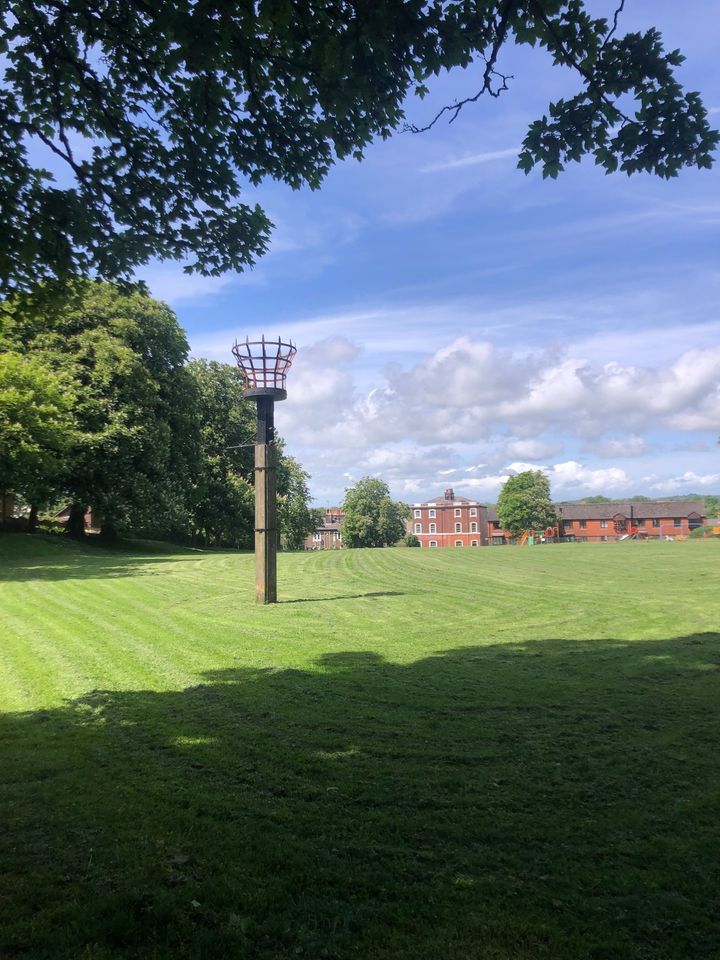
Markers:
{"x": 347, "y": 596}
{"x": 551, "y": 800}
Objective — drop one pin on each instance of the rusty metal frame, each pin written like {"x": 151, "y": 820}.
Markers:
{"x": 264, "y": 363}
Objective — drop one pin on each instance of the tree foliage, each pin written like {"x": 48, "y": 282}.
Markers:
{"x": 372, "y": 518}
{"x": 295, "y": 516}
{"x": 99, "y": 406}
{"x": 36, "y": 426}
{"x": 222, "y": 493}
{"x": 134, "y": 429}
{"x": 524, "y": 503}
{"x": 163, "y": 111}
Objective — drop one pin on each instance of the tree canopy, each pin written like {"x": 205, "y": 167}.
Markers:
{"x": 36, "y": 425}
{"x": 99, "y": 406}
{"x": 524, "y": 503}
{"x": 372, "y": 518}
{"x": 163, "y": 112}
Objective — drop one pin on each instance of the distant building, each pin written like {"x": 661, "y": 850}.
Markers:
{"x": 601, "y": 522}
{"x": 449, "y": 521}
{"x": 328, "y": 536}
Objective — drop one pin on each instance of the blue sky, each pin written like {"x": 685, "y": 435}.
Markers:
{"x": 457, "y": 321}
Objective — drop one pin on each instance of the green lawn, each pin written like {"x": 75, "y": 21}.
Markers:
{"x": 416, "y": 755}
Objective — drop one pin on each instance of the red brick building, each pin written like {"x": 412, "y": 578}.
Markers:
{"x": 449, "y": 521}
{"x": 601, "y": 522}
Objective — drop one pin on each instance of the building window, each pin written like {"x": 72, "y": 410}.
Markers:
{"x": 458, "y": 512}
{"x": 496, "y": 524}
{"x": 418, "y": 528}
{"x": 458, "y": 528}
{"x": 433, "y": 528}
{"x": 603, "y": 539}
{"x": 417, "y": 513}
{"x": 583, "y": 524}
{"x": 677, "y": 522}
{"x": 473, "y": 528}
{"x": 498, "y": 540}
{"x": 473, "y": 511}
{"x": 432, "y": 513}
{"x": 656, "y": 523}
{"x": 639, "y": 523}
{"x": 458, "y": 543}
{"x": 582, "y": 539}
{"x": 473, "y": 543}
{"x": 317, "y": 537}
{"x": 568, "y": 524}
{"x": 433, "y": 543}
{"x": 603, "y": 524}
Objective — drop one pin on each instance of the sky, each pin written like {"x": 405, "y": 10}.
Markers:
{"x": 457, "y": 321}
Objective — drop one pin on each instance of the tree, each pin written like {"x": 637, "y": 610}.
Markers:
{"x": 223, "y": 496}
{"x": 36, "y": 428}
{"x": 223, "y": 474}
{"x": 295, "y": 516}
{"x": 524, "y": 503}
{"x": 372, "y": 518}
{"x": 133, "y": 414}
{"x": 162, "y": 111}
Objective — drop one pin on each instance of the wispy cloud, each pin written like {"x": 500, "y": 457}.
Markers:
{"x": 473, "y": 160}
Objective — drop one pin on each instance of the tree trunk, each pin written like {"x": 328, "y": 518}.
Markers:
{"x": 33, "y": 519}
{"x": 108, "y": 533}
{"x": 76, "y": 522}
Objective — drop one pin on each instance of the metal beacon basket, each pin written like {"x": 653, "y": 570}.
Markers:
{"x": 264, "y": 365}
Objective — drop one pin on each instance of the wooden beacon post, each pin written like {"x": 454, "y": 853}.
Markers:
{"x": 264, "y": 365}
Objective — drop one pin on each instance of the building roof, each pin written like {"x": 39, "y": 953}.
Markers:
{"x": 448, "y": 499}
{"x": 642, "y": 510}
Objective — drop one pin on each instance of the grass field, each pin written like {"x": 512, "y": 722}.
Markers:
{"x": 495, "y": 754}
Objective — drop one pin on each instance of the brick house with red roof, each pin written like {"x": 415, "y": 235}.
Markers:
{"x": 601, "y": 522}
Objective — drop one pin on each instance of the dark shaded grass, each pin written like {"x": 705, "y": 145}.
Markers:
{"x": 553, "y": 799}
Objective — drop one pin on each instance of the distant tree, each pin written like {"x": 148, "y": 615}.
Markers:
{"x": 372, "y": 518}
{"x": 295, "y": 517}
{"x": 317, "y": 515}
{"x": 597, "y": 498}
{"x": 410, "y": 540}
{"x": 524, "y": 503}
{"x": 160, "y": 112}
{"x": 36, "y": 428}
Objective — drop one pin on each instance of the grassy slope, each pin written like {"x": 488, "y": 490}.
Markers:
{"x": 499, "y": 753}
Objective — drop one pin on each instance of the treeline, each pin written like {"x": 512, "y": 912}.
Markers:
{"x": 100, "y": 406}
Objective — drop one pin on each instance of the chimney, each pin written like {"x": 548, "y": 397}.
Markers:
{"x": 449, "y": 494}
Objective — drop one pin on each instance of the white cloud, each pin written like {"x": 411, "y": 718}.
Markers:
{"x": 629, "y": 446}
{"x": 532, "y": 449}
{"x": 687, "y": 481}
{"x": 472, "y": 160}
{"x": 574, "y": 476}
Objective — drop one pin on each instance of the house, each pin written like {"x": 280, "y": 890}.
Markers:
{"x": 601, "y": 522}
{"x": 328, "y": 536}
{"x": 449, "y": 521}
